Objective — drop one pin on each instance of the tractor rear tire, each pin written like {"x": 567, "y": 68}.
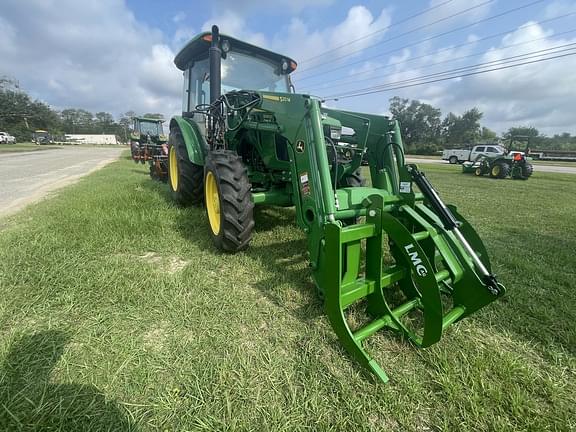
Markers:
{"x": 500, "y": 170}
{"x": 186, "y": 179}
{"x": 527, "y": 170}
{"x": 228, "y": 201}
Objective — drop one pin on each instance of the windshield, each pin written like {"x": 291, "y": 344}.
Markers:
{"x": 152, "y": 129}
{"x": 242, "y": 72}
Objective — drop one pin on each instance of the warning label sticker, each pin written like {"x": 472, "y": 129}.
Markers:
{"x": 304, "y": 184}
{"x": 405, "y": 187}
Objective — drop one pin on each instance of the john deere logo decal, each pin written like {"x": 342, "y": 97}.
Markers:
{"x": 300, "y": 146}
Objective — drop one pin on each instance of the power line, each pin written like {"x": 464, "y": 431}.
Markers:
{"x": 462, "y": 45}
{"x": 509, "y": 11}
{"x": 449, "y": 78}
{"x": 425, "y": 11}
{"x": 405, "y": 33}
{"x": 516, "y": 58}
{"x": 353, "y": 80}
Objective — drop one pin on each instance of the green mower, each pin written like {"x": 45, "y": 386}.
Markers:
{"x": 149, "y": 144}
{"x": 514, "y": 163}
{"x": 246, "y": 138}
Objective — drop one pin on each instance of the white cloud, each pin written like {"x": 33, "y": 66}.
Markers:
{"x": 539, "y": 94}
{"x": 560, "y": 7}
{"x": 91, "y": 54}
{"x": 233, "y": 24}
{"x": 179, "y": 17}
{"x": 278, "y": 6}
{"x": 302, "y": 42}
{"x": 445, "y": 9}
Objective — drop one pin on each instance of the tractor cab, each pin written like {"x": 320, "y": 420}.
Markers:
{"x": 41, "y": 137}
{"x": 242, "y": 66}
{"x": 518, "y": 147}
{"x": 148, "y": 130}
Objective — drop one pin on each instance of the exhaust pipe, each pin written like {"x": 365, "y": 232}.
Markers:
{"x": 215, "y": 63}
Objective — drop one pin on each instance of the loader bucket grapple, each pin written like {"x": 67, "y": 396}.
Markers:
{"x": 392, "y": 247}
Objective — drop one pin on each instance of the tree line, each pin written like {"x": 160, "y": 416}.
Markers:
{"x": 424, "y": 130}
{"x": 20, "y": 116}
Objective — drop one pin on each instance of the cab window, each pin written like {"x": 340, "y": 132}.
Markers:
{"x": 480, "y": 149}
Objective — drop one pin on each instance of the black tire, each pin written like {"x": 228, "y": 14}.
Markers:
{"x": 453, "y": 160}
{"x": 478, "y": 172}
{"x": 354, "y": 180}
{"x": 500, "y": 170}
{"x": 527, "y": 170}
{"x": 236, "y": 209}
{"x": 189, "y": 186}
{"x": 153, "y": 175}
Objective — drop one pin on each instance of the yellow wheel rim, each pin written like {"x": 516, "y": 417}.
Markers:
{"x": 478, "y": 171}
{"x": 496, "y": 170}
{"x": 212, "y": 202}
{"x": 173, "y": 168}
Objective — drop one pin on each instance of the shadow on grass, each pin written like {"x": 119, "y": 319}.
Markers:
{"x": 284, "y": 260}
{"x": 30, "y": 401}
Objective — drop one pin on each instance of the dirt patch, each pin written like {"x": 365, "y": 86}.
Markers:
{"x": 171, "y": 264}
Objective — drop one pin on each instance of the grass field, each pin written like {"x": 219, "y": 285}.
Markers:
{"x": 116, "y": 313}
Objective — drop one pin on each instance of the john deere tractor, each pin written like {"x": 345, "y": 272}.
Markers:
{"x": 514, "y": 163}
{"x": 149, "y": 144}
{"x": 246, "y": 138}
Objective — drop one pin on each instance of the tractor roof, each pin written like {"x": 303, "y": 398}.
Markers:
{"x": 198, "y": 48}
{"x": 150, "y": 119}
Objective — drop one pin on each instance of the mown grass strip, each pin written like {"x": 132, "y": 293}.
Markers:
{"x": 117, "y": 313}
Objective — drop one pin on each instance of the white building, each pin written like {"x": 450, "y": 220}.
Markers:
{"x": 91, "y": 139}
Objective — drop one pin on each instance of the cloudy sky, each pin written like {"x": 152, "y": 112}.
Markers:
{"x": 116, "y": 55}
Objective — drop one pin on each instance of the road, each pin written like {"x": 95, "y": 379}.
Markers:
{"x": 538, "y": 168}
{"x": 27, "y": 177}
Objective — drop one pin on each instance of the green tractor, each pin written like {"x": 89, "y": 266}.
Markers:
{"x": 246, "y": 138}
{"x": 514, "y": 163}
{"x": 149, "y": 144}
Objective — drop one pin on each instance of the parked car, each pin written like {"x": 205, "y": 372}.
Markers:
{"x": 6, "y": 138}
{"x": 470, "y": 155}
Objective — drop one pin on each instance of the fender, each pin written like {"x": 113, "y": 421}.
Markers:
{"x": 195, "y": 144}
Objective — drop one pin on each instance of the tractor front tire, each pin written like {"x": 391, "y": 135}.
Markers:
{"x": 500, "y": 170}
{"x": 478, "y": 172}
{"x": 354, "y": 180}
{"x": 228, "y": 201}
{"x": 184, "y": 177}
